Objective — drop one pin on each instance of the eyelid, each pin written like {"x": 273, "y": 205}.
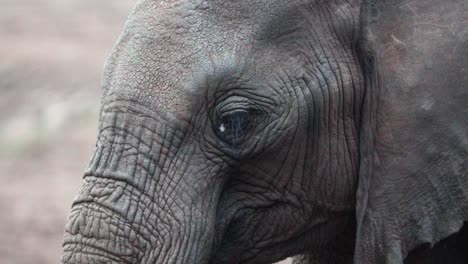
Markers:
{"x": 226, "y": 112}
{"x": 234, "y": 105}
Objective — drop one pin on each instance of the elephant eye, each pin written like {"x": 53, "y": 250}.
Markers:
{"x": 233, "y": 127}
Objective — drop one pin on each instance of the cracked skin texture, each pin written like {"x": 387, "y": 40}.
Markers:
{"x": 335, "y": 146}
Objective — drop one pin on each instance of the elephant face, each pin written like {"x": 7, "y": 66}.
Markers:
{"x": 229, "y": 133}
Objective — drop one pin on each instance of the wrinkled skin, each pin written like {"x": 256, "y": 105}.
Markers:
{"x": 253, "y": 130}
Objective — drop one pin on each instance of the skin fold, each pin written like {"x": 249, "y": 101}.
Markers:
{"x": 251, "y": 131}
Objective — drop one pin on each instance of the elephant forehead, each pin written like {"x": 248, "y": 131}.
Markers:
{"x": 168, "y": 49}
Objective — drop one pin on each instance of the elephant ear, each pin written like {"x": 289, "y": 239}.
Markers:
{"x": 413, "y": 181}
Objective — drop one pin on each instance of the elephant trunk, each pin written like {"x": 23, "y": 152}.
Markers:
{"x": 134, "y": 205}
{"x": 115, "y": 227}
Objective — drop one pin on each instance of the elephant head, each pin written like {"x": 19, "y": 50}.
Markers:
{"x": 253, "y": 130}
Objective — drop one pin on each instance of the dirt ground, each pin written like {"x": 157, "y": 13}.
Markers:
{"x": 51, "y": 57}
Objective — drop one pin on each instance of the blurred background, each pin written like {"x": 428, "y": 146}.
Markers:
{"x": 52, "y": 54}
{"x": 51, "y": 57}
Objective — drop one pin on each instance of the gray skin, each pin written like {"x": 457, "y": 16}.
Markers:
{"x": 249, "y": 131}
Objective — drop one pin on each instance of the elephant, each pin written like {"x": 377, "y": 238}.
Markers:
{"x": 249, "y": 131}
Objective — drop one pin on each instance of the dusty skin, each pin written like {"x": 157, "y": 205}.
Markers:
{"x": 254, "y": 130}
{"x": 52, "y": 54}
